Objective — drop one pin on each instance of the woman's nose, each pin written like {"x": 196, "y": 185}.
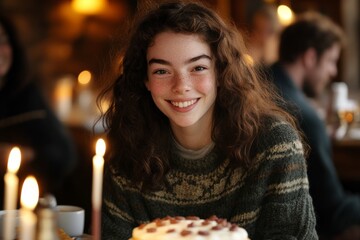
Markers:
{"x": 181, "y": 83}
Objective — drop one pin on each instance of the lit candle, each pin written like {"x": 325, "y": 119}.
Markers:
{"x": 98, "y": 166}
{"x": 11, "y": 192}
{"x": 28, "y": 199}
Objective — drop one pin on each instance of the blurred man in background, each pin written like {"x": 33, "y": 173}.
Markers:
{"x": 262, "y": 34}
{"x": 308, "y": 55}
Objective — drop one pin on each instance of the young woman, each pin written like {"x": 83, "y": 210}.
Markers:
{"x": 193, "y": 132}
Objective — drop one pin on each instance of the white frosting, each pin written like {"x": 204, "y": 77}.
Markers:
{"x": 192, "y": 228}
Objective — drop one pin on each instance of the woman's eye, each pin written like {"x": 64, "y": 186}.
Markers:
{"x": 160, "y": 72}
{"x": 199, "y": 68}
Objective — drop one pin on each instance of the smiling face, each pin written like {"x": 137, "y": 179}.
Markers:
{"x": 181, "y": 79}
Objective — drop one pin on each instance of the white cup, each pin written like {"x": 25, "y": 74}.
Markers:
{"x": 71, "y": 219}
{"x": 340, "y": 94}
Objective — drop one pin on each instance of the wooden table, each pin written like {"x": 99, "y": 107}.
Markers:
{"x": 346, "y": 153}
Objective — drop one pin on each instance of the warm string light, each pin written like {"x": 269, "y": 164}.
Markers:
{"x": 89, "y": 6}
{"x": 285, "y": 15}
{"x": 85, "y": 95}
{"x": 84, "y": 77}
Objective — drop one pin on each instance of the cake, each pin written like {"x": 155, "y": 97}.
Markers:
{"x": 63, "y": 235}
{"x": 188, "y": 228}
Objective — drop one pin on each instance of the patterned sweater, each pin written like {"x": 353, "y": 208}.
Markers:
{"x": 270, "y": 200}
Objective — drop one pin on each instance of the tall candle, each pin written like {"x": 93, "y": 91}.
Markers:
{"x": 98, "y": 167}
{"x": 29, "y": 199}
{"x": 11, "y": 193}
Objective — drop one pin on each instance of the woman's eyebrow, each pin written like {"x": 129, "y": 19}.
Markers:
{"x": 159, "y": 61}
{"x": 164, "y": 62}
{"x": 194, "y": 59}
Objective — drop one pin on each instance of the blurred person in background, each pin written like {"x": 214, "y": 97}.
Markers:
{"x": 27, "y": 121}
{"x": 308, "y": 55}
{"x": 262, "y": 34}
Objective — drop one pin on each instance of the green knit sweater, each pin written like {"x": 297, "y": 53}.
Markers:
{"x": 270, "y": 200}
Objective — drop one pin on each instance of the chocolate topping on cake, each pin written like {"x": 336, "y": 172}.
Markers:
{"x": 191, "y": 226}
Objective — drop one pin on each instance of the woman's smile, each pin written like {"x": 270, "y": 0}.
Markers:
{"x": 184, "y": 104}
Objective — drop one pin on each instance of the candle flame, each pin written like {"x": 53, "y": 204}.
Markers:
{"x": 29, "y": 193}
{"x": 14, "y": 160}
{"x": 100, "y": 147}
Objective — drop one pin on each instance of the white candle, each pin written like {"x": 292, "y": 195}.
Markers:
{"x": 29, "y": 199}
{"x": 11, "y": 193}
{"x": 98, "y": 166}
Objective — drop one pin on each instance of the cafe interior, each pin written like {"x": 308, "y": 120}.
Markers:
{"x": 70, "y": 45}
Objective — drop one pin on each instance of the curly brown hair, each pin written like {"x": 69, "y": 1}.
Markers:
{"x": 140, "y": 134}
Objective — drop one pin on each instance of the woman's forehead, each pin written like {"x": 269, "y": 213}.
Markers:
{"x": 178, "y": 45}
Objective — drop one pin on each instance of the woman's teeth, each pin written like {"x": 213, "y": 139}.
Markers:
{"x": 183, "y": 104}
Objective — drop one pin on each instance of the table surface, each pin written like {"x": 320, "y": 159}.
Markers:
{"x": 346, "y": 157}
{"x": 83, "y": 237}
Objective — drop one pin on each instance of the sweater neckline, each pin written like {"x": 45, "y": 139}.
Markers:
{"x": 202, "y": 160}
{"x": 192, "y": 154}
